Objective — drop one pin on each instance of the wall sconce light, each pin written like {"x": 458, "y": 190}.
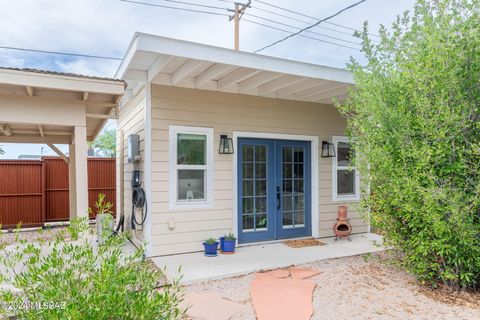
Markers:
{"x": 226, "y": 145}
{"x": 328, "y": 149}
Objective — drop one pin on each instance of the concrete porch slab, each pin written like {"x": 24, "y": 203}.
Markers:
{"x": 195, "y": 267}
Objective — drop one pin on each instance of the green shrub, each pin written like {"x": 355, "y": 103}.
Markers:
{"x": 210, "y": 241}
{"x": 414, "y": 116}
{"x": 230, "y": 237}
{"x": 75, "y": 279}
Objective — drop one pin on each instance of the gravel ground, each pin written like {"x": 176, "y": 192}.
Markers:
{"x": 361, "y": 287}
{"x": 31, "y": 235}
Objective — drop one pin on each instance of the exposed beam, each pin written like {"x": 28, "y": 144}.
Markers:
{"x": 185, "y": 70}
{"x": 46, "y": 133}
{"x": 279, "y": 83}
{"x": 85, "y": 96}
{"x": 59, "y": 152}
{"x": 158, "y": 66}
{"x": 288, "y": 91}
{"x": 29, "y": 91}
{"x": 35, "y": 138}
{"x": 308, "y": 90}
{"x": 211, "y": 73}
{"x": 327, "y": 92}
{"x": 236, "y": 76}
{"x": 101, "y": 116}
{"x": 5, "y": 128}
{"x": 42, "y": 133}
{"x": 102, "y": 104}
{"x": 257, "y": 80}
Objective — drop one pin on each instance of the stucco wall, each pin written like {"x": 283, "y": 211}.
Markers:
{"x": 227, "y": 113}
{"x": 131, "y": 121}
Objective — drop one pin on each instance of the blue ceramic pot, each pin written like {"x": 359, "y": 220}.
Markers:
{"x": 229, "y": 246}
{"x": 210, "y": 249}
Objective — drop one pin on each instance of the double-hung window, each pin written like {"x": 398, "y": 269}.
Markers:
{"x": 190, "y": 166}
{"x": 346, "y": 180}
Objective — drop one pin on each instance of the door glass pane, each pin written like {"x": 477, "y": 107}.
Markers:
{"x": 299, "y": 218}
{"x": 247, "y": 153}
{"x": 346, "y": 182}
{"x": 247, "y": 171}
{"x": 261, "y": 187}
{"x": 191, "y": 184}
{"x": 260, "y": 205}
{"x": 260, "y": 221}
{"x": 254, "y": 187}
{"x": 247, "y": 204}
{"x": 293, "y": 191}
{"x": 248, "y": 188}
{"x": 191, "y": 148}
{"x": 287, "y": 220}
{"x": 260, "y": 170}
{"x": 247, "y": 221}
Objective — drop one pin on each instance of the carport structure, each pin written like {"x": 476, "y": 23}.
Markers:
{"x": 52, "y": 108}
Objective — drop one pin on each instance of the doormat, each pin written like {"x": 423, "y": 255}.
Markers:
{"x": 303, "y": 243}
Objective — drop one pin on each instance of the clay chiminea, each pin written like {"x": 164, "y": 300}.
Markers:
{"x": 342, "y": 227}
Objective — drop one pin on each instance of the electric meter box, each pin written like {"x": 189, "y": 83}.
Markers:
{"x": 133, "y": 148}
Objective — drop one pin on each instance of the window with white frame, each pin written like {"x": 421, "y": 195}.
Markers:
{"x": 346, "y": 181}
{"x": 190, "y": 166}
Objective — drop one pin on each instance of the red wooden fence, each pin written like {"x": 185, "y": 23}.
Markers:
{"x": 34, "y": 192}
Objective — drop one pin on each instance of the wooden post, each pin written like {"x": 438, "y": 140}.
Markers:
{"x": 81, "y": 172}
{"x": 237, "y": 26}
{"x": 239, "y": 11}
{"x": 44, "y": 193}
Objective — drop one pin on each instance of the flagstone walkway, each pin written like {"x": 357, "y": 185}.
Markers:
{"x": 276, "y": 295}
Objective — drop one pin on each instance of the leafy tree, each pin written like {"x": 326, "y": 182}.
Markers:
{"x": 414, "y": 116}
{"x": 106, "y": 143}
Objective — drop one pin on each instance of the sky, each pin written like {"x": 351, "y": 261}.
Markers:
{"x": 105, "y": 28}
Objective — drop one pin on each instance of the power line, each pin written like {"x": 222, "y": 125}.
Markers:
{"x": 197, "y": 5}
{"x": 300, "y": 35}
{"x": 309, "y": 31}
{"x": 176, "y": 8}
{"x": 61, "y": 53}
{"x": 311, "y": 26}
{"x": 303, "y": 21}
{"x": 308, "y": 16}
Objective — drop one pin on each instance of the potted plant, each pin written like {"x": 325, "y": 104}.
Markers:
{"x": 210, "y": 246}
{"x": 227, "y": 244}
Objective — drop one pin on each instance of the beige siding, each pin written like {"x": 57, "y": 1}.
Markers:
{"x": 131, "y": 121}
{"x": 227, "y": 113}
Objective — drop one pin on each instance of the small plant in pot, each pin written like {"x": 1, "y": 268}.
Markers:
{"x": 227, "y": 244}
{"x": 210, "y": 245}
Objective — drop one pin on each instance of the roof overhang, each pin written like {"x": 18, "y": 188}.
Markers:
{"x": 173, "y": 62}
{"x": 26, "y": 94}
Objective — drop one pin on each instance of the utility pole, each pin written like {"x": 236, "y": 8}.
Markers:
{"x": 239, "y": 11}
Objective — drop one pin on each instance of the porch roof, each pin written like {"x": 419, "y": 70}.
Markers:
{"x": 174, "y": 62}
{"x": 40, "y": 106}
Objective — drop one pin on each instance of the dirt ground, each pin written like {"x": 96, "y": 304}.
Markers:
{"x": 361, "y": 287}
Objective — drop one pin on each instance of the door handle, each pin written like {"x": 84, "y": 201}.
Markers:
{"x": 278, "y": 198}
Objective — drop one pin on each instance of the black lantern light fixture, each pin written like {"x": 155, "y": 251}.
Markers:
{"x": 226, "y": 145}
{"x": 328, "y": 149}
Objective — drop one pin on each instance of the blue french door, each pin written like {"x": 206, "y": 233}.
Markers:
{"x": 274, "y": 183}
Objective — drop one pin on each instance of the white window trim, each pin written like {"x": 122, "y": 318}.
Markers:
{"x": 173, "y": 203}
{"x": 335, "y": 196}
